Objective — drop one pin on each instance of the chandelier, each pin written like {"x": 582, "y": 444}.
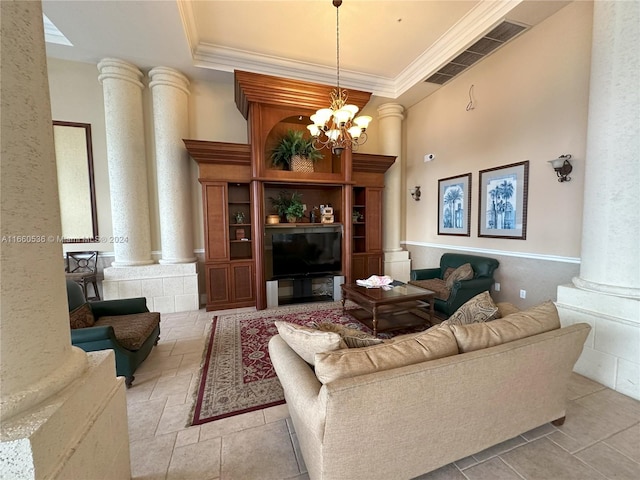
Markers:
{"x": 335, "y": 127}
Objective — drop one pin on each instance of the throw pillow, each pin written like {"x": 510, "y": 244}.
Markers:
{"x": 447, "y": 273}
{"x": 463, "y": 272}
{"x": 479, "y": 309}
{"x": 398, "y": 352}
{"x": 352, "y": 338}
{"x": 539, "y": 319}
{"x": 306, "y": 342}
{"x": 81, "y": 317}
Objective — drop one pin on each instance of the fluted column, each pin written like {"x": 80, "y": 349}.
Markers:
{"x": 170, "y": 91}
{"x": 607, "y": 292}
{"x": 60, "y": 408}
{"x": 396, "y": 260}
{"x": 127, "y": 161}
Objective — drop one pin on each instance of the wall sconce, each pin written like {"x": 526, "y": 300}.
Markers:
{"x": 563, "y": 167}
{"x": 415, "y": 193}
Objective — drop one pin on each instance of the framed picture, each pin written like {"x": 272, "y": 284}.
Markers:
{"x": 454, "y": 205}
{"x": 502, "y": 211}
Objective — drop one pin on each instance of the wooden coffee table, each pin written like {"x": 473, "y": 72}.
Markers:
{"x": 393, "y": 309}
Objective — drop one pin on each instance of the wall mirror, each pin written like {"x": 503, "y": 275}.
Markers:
{"x": 74, "y": 163}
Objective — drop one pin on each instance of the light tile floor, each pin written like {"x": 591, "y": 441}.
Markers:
{"x": 600, "y": 438}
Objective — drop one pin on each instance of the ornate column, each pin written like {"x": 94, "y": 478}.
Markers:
{"x": 607, "y": 292}
{"x": 396, "y": 260}
{"x": 54, "y": 397}
{"x": 171, "y": 124}
{"x": 127, "y": 161}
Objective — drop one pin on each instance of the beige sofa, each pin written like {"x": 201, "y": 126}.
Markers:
{"x": 494, "y": 381}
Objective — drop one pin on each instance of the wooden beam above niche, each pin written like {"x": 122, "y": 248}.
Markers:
{"x": 367, "y": 162}
{"x": 267, "y": 89}
{"x": 219, "y": 152}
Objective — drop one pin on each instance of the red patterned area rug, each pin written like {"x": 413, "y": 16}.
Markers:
{"x": 236, "y": 375}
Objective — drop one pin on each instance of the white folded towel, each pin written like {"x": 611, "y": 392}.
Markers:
{"x": 375, "y": 281}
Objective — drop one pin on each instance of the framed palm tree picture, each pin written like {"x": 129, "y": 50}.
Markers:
{"x": 502, "y": 209}
{"x": 454, "y": 205}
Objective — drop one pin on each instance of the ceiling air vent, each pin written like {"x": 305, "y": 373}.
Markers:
{"x": 491, "y": 41}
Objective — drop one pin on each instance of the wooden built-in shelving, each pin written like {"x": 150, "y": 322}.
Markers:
{"x": 240, "y": 178}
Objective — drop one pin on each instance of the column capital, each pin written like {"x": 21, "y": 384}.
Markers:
{"x": 391, "y": 110}
{"x": 169, "y": 77}
{"x": 114, "y": 68}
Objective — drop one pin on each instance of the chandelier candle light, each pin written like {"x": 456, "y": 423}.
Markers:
{"x": 335, "y": 127}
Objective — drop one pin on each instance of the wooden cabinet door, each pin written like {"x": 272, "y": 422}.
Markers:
{"x": 216, "y": 228}
{"x": 374, "y": 265}
{"x": 374, "y": 220}
{"x": 364, "y": 265}
{"x": 218, "y": 282}
{"x": 358, "y": 267}
{"x": 230, "y": 285}
{"x": 242, "y": 279}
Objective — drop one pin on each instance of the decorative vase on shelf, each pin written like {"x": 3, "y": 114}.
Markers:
{"x": 239, "y": 216}
{"x": 292, "y": 218}
{"x": 301, "y": 164}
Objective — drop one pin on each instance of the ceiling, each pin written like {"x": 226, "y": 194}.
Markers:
{"x": 386, "y": 47}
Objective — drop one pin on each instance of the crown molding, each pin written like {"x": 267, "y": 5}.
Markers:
{"x": 185, "y": 9}
{"x": 477, "y": 22}
{"x": 230, "y": 59}
{"x": 472, "y": 26}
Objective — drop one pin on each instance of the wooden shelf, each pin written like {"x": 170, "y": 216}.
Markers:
{"x": 303, "y": 225}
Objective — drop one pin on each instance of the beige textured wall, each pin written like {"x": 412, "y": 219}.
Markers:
{"x": 76, "y": 96}
{"x": 531, "y": 103}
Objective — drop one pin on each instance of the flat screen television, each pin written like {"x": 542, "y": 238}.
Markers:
{"x": 310, "y": 254}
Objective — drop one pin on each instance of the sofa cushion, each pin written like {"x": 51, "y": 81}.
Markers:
{"x": 131, "y": 331}
{"x": 398, "y": 352}
{"x": 525, "y": 323}
{"x": 81, "y": 317}
{"x": 463, "y": 272}
{"x": 439, "y": 287}
{"x": 352, "y": 338}
{"x": 479, "y": 309}
{"x": 504, "y": 309}
{"x": 306, "y": 342}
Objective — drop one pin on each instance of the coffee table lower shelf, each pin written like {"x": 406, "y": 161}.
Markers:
{"x": 392, "y": 320}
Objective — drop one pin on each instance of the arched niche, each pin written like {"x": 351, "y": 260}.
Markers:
{"x": 330, "y": 163}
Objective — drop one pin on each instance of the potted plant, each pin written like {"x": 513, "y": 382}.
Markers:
{"x": 239, "y": 216}
{"x": 288, "y": 205}
{"x": 294, "y": 152}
